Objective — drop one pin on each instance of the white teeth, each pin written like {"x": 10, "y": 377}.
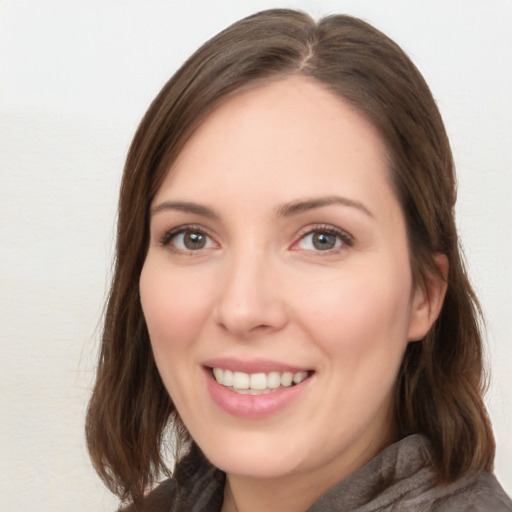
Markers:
{"x": 257, "y": 383}
{"x": 241, "y": 380}
{"x": 273, "y": 380}
{"x": 254, "y": 391}
{"x": 287, "y": 379}
{"x": 217, "y": 373}
{"x": 299, "y": 377}
{"x": 227, "y": 379}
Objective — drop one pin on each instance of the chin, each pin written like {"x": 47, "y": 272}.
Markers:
{"x": 256, "y": 466}
{"x": 255, "y": 458}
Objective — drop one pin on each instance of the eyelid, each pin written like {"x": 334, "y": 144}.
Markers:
{"x": 168, "y": 235}
{"x": 346, "y": 238}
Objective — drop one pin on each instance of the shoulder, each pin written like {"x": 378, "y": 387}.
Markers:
{"x": 402, "y": 479}
{"x": 476, "y": 493}
{"x": 419, "y": 491}
{"x": 160, "y": 499}
{"x": 415, "y": 486}
{"x": 195, "y": 485}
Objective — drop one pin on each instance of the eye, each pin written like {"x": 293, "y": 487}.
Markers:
{"x": 323, "y": 239}
{"x": 186, "y": 239}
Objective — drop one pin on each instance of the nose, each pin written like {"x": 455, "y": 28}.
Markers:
{"x": 250, "y": 301}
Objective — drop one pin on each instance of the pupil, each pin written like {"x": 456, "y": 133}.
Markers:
{"x": 324, "y": 241}
{"x": 194, "y": 241}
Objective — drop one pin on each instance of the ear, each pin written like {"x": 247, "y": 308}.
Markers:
{"x": 428, "y": 300}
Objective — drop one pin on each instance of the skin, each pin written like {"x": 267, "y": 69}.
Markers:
{"x": 259, "y": 288}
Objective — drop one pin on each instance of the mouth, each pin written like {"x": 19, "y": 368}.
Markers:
{"x": 255, "y": 389}
{"x": 258, "y": 383}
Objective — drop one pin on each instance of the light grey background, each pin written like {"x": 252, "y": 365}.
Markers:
{"x": 75, "y": 78}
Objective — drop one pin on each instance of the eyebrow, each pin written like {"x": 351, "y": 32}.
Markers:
{"x": 302, "y": 205}
{"x": 286, "y": 210}
{"x": 184, "y": 206}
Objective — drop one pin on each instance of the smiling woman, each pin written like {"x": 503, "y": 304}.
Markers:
{"x": 287, "y": 284}
{"x": 289, "y": 296}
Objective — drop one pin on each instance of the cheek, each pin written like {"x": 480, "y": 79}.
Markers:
{"x": 174, "y": 306}
{"x": 359, "y": 323}
{"x": 360, "y": 312}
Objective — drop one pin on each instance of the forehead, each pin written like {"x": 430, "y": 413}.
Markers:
{"x": 278, "y": 139}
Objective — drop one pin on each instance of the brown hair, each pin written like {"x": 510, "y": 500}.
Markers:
{"x": 439, "y": 392}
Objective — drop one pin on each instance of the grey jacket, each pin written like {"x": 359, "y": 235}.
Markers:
{"x": 399, "y": 479}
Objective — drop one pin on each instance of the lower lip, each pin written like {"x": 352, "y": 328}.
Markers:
{"x": 253, "y": 406}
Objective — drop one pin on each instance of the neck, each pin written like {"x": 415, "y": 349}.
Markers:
{"x": 255, "y": 495}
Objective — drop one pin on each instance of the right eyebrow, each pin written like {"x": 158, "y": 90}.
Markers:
{"x": 185, "y": 206}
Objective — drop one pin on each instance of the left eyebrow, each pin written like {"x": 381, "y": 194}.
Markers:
{"x": 302, "y": 205}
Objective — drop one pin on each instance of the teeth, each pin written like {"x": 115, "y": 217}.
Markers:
{"x": 273, "y": 380}
{"x": 299, "y": 377}
{"x": 286, "y": 379}
{"x": 241, "y": 380}
{"x": 257, "y": 383}
{"x": 227, "y": 378}
{"x": 218, "y": 374}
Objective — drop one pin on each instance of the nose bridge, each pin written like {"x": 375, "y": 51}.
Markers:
{"x": 249, "y": 299}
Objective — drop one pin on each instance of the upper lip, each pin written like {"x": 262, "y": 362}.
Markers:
{"x": 253, "y": 365}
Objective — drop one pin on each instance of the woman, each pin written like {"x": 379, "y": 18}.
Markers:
{"x": 289, "y": 297}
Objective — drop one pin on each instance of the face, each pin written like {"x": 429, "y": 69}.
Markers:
{"x": 277, "y": 286}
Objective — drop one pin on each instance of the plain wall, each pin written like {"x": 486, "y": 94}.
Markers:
{"x": 75, "y": 78}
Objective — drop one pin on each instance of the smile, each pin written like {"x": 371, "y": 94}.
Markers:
{"x": 257, "y": 383}
{"x": 255, "y": 388}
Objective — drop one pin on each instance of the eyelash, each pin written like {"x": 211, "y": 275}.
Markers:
{"x": 346, "y": 239}
{"x": 167, "y": 237}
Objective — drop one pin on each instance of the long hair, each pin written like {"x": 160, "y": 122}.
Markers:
{"x": 441, "y": 380}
